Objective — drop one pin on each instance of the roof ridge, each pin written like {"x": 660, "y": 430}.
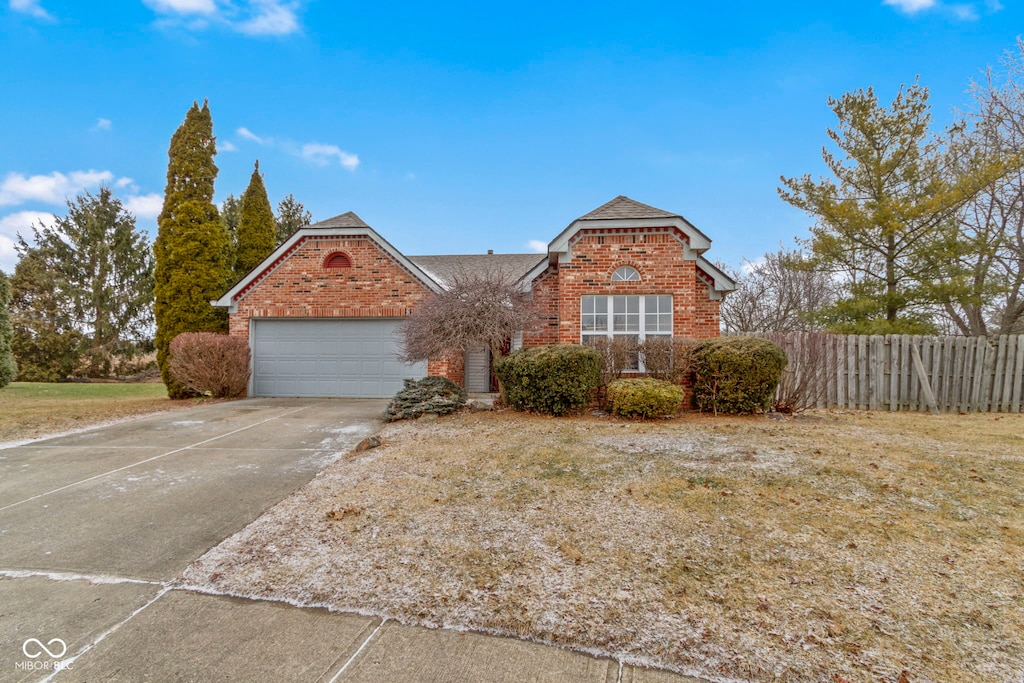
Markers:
{"x": 626, "y": 207}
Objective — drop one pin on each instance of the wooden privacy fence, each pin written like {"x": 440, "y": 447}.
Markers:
{"x": 904, "y": 372}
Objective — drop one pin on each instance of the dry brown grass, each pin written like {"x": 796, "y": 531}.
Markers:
{"x": 828, "y": 547}
{"x": 32, "y": 409}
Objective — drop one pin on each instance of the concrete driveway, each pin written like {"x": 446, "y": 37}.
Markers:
{"x": 96, "y": 527}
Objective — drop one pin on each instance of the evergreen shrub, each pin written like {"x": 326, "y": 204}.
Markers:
{"x": 553, "y": 379}
{"x": 736, "y": 374}
{"x": 437, "y": 395}
{"x": 643, "y": 397}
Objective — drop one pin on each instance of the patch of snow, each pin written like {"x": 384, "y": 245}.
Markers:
{"x": 99, "y": 579}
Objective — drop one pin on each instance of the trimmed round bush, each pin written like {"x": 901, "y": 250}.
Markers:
{"x": 736, "y": 374}
{"x": 437, "y": 395}
{"x": 554, "y": 379}
{"x": 210, "y": 364}
{"x": 643, "y": 397}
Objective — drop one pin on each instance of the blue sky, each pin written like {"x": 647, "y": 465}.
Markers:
{"x": 457, "y": 127}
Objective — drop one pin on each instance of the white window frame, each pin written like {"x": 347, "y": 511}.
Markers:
{"x": 626, "y": 274}
{"x": 647, "y": 305}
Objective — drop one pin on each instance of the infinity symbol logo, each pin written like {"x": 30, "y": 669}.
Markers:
{"x": 44, "y": 648}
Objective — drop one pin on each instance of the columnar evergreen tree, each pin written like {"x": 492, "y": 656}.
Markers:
{"x": 100, "y": 267}
{"x": 192, "y": 248}
{"x": 8, "y": 369}
{"x": 256, "y": 229}
{"x": 230, "y": 216}
{"x": 291, "y": 215}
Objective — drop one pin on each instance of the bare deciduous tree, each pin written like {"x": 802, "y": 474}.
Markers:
{"x": 777, "y": 294}
{"x": 476, "y": 309}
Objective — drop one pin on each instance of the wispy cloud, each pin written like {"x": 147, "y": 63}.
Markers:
{"x": 324, "y": 155}
{"x": 31, "y": 8}
{"x": 54, "y": 188}
{"x": 145, "y": 206}
{"x": 226, "y": 146}
{"x": 103, "y": 124}
{"x": 969, "y": 11}
{"x": 537, "y": 246}
{"x": 249, "y": 135}
{"x": 19, "y": 223}
{"x": 270, "y": 19}
{"x": 250, "y": 17}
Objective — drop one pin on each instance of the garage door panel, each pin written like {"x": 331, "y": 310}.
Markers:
{"x": 344, "y": 358}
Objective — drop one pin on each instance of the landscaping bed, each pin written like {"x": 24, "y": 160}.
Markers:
{"x": 826, "y": 547}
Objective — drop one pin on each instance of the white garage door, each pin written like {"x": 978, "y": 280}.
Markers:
{"x": 338, "y": 358}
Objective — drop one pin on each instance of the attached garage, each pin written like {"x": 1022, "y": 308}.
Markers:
{"x": 345, "y": 358}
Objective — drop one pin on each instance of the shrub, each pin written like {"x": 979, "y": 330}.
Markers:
{"x": 736, "y": 374}
{"x": 667, "y": 358}
{"x": 8, "y": 368}
{"x": 617, "y": 354}
{"x": 211, "y": 364}
{"x": 437, "y": 395}
{"x": 643, "y": 397}
{"x": 552, "y": 379}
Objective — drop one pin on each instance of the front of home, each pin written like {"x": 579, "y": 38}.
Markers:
{"x": 321, "y": 312}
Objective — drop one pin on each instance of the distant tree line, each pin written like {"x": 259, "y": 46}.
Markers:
{"x": 90, "y": 296}
{"x": 915, "y": 231}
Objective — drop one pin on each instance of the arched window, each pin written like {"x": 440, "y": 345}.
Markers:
{"x": 626, "y": 274}
{"x": 338, "y": 260}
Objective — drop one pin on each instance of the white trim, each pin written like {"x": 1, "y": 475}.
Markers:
{"x": 227, "y": 300}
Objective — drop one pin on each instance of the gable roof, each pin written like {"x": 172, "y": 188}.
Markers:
{"x": 349, "y": 219}
{"x": 447, "y": 267}
{"x": 624, "y": 207}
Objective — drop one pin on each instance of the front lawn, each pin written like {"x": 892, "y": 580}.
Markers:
{"x": 828, "y": 547}
{"x": 33, "y": 409}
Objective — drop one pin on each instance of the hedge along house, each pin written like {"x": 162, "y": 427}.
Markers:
{"x": 322, "y": 311}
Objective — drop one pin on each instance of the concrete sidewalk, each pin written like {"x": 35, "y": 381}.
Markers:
{"x": 96, "y": 528}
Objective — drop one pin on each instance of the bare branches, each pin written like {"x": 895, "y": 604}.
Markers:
{"x": 476, "y": 309}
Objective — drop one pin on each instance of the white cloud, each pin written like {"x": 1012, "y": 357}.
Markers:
{"x": 19, "y": 223}
{"x": 271, "y": 18}
{"x": 123, "y": 182}
{"x": 251, "y": 17}
{"x": 910, "y": 6}
{"x": 537, "y": 246}
{"x": 964, "y": 12}
{"x": 32, "y": 8}
{"x": 145, "y": 206}
{"x": 49, "y": 189}
{"x": 249, "y": 135}
{"x": 227, "y": 146}
{"x": 103, "y": 124}
{"x": 183, "y": 6}
{"x": 322, "y": 155}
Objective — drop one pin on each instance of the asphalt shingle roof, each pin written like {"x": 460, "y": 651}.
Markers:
{"x": 349, "y": 219}
{"x": 622, "y": 207}
{"x": 445, "y": 268}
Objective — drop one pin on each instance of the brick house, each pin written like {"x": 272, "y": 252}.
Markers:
{"x": 321, "y": 312}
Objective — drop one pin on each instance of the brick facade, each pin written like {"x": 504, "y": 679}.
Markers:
{"x": 300, "y": 286}
{"x": 657, "y": 255}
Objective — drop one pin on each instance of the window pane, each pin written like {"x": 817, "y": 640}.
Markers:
{"x": 651, "y": 322}
{"x": 600, "y": 304}
{"x": 626, "y": 273}
{"x": 587, "y": 305}
{"x": 632, "y": 304}
{"x": 664, "y": 304}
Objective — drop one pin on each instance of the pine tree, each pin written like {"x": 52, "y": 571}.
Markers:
{"x": 192, "y": 248}
{"x": 101, "y": 269}
{"x": 230, "y": 216}
{"x": 8, "y": 369}
{"x": 256, "y": 229}
{"x": 291, "y": 215}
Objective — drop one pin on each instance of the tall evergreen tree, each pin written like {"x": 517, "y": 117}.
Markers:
{"x": 192, "y": 249}
{"x": 8, "y": 369}
{"x": 101, "y": 269}
{"x": 256, "y": 229}
{"x": 46, "y": 344}
{"x": 888, "y": 211}
{"x": 230, "y": 216}
{"x": 291, "y": 215}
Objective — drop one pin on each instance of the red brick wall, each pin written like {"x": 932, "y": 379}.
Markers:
{"x": 663, "y": 270}
{"x": 545, "y": 296}
{"x": 300, "y": 287}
